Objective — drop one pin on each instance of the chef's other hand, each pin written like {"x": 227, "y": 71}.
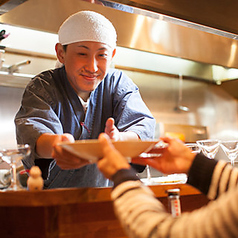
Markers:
{"x": 116, "y": 135}
{"x": 112, "y": 160}
{"x": 174, "y": 158}
{"x": 111, "y": 130}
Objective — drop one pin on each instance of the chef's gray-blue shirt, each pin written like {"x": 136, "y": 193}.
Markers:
{"x": 50, "y": 105}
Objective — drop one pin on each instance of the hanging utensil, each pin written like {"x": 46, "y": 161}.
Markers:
{"x": 179, "y": 106}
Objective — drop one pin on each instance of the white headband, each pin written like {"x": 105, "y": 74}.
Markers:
{"x": 87, "y": 26}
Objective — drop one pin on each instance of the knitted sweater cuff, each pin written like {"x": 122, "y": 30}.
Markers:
{"x": 124, "y": 175}
{"x": 200, "y": 173}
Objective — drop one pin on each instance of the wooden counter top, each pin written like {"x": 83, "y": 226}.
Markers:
{"x": 78, "y": 212}
{"x": 56, "y": 197}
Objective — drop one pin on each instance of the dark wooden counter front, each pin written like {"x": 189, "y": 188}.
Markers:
{"x": 77, "y": 213}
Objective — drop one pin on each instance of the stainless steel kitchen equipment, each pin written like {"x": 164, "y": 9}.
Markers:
{"x": 190, "y": 133}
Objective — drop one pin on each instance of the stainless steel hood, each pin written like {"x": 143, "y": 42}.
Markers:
{"x": 147, "y": 28}
{"x": 218, "y": 15}
{"x": 7, "y": 5}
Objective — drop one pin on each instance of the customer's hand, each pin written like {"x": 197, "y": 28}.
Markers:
{"x": 112, "y": 160}
{"x": 174, "y": 158}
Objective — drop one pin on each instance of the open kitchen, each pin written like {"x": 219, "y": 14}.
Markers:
{"x": 183, "y": 58}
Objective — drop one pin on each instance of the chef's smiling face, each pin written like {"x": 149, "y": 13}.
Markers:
{"x": 86, "y": 64}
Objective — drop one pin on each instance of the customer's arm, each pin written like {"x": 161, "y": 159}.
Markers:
{"x": 177, "y": 158}
{"x": 142, "y": 215}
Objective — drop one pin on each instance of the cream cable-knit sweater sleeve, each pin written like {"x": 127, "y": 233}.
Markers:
{"x": 142, "y": 215}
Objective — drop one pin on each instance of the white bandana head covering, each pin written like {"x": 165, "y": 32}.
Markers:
{"x": 87, "y": 26}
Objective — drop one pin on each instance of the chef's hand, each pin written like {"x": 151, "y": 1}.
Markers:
{"x": 112, "y": 160}
{"x": 174, "y": 158}
{"x": 64, "y": 159}
{"x": 115, "y": 134}
{"x": 47, "y": 147}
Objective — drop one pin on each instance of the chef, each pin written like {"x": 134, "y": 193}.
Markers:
{"x": 78, "y": 100}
